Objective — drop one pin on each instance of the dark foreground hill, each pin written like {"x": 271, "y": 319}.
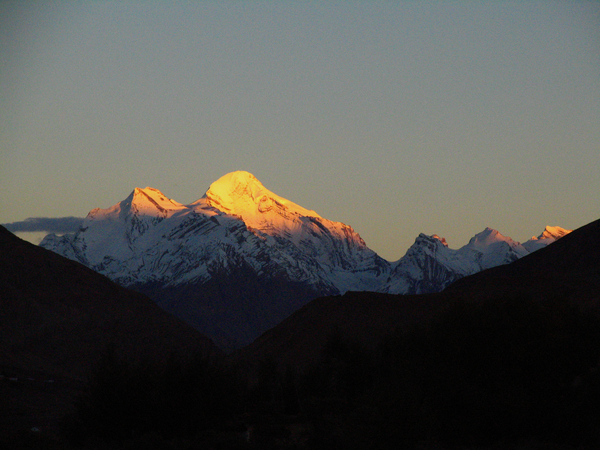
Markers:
{"x": 569, "y": 269}
{"x": 57, "y": 318}
{"x": 506, "y": 358}
{"x": 240, "y": 259}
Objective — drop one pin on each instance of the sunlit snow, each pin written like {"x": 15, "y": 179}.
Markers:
{"x": 149, "y": 237}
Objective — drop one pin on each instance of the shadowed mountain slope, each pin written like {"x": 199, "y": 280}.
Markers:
{"x": 364, "y": 317}
{"x": 57, "y": 317}
{"x": 567, "y": 269}
{"x": 241, "y": 259}
{"x": 57, "y": 314}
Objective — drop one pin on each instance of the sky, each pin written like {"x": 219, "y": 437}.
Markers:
{"x": 396, "y": 118}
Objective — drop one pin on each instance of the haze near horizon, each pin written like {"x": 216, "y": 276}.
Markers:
{"x": 393, "y": 117}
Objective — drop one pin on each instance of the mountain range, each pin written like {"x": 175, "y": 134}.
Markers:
{"x": 511, "y": 345}
{"x": 504, "y": 355}
{"x": 241, "y": 258}
{"x": 567, "y": 272}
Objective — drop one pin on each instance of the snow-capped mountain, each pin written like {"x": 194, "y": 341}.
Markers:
{"x": 242, "y": 254}
{"x": 150, "y": 238}
{"x": 548, "y": 236}
{"x": 430, "y": 266}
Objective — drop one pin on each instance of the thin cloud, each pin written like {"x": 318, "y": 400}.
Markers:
{"x": 60, "y": 225}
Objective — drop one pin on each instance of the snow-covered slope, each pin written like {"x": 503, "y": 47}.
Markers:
{"x": 430, "y": 266}
{"x": 548, "y": 236}
{"x": 198, "y": 260}
{"x": 150, "y": 238}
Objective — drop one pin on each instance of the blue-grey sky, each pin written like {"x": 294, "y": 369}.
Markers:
{"x": 393, "y": 117}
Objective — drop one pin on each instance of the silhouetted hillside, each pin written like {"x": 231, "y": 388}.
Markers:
{"x": 365, "y": 317}
{"x": 506, "y": 358}
{"x": 567, "y": 269}
{"x": 57, "y": 317}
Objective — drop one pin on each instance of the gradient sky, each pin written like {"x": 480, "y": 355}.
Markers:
{"x": 393, "y": 117}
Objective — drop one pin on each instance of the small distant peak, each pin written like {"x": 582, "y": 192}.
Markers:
{"x": 486, "y": 233}
{"x": 441, "y": 239}
{"x": 489, "y": 232}
{"x": 553, "y": 233}
{"x": 155, "y": 194}
{"x": 433, "y": 239}
{"x": 149, "y": 200}
{"x": 487, "y": 237}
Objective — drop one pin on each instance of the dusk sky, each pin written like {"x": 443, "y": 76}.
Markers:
{"x": 393, "y": 117}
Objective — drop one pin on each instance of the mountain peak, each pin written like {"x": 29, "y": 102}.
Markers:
{"x": 149, "y": 201}
{"x": 441, "y": 239}
{"x": 241, "y": 193}
{"x": 487, "y": 237}
{"x": 553, "y": 232}
{"x": 434, "y": 238}
{"x": 233, "y": 188}
{"x": 145, "y": 202}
